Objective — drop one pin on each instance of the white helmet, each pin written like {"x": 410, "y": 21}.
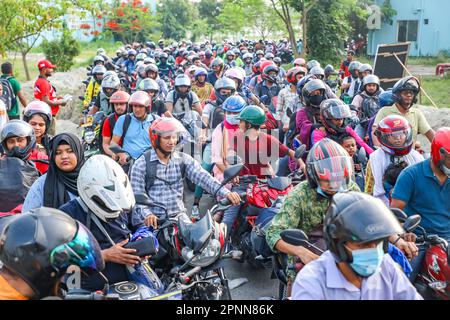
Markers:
{"x": 104, "y": 187}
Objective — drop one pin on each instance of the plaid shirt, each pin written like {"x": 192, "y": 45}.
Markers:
{"x": 167, "y": 190}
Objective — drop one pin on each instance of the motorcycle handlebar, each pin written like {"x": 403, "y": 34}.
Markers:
{"x": 225, "y": 202}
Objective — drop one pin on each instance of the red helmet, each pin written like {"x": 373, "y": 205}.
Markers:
{"x": 299, "y": 62}
{"x": 265, "y": 64}
{"x": 119, "y": 97}
{"x": 163, "y": 127}
{"x": 293, "y": 72}
{"x": 440, "y": 148}
{"x": 140, "y": 98}
{"x": 395, "y": 126}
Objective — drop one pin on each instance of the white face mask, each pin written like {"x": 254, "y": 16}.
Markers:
{"x": 232, "y": 119}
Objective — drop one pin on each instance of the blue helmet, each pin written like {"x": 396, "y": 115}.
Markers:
{"x": 234, "y": 104}
{"x": 386, "y": 99}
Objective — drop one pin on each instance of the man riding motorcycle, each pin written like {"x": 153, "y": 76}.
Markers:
{"x": 94, "y": 86}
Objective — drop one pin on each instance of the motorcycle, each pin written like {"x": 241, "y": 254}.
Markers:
{"x": 144, "y": 284}
{"x": 193, "y": 123}
{"x": 433, "y": 280}
{"x": 90, "y": 133}
{"x": 199, "y": 244}
{"x": 298, "y": 237}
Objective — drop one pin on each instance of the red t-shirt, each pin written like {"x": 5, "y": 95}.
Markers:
{"x": 36, "y": 155}
{"x": 106, "y": 131}
{"x": 257, "y": 154}
{"x": 42, "y": 87}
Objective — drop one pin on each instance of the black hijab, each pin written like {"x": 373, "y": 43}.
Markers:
{"x": 58, "y": 183}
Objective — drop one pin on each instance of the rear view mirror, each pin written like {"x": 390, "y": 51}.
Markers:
{"x": 143, "y": 199}
{"x": 412, "y": 222}
{"x": 399, "y": 214}
{"x": 294, "y": 237}
{"x": 300, "y": 151}
{"x": 231, "y": 172}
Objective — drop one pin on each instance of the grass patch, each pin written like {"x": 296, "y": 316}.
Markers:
{"x": 438, "y": 89}
{"x": 18, "y": 68}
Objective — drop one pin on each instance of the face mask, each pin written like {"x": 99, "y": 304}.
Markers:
{"x": 316, "y": 100}
{"x": 445, "y": 170}
{"x": 232, "y": 119}
{"x": 366, "y": 262}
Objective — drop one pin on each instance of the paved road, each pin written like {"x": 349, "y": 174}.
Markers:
{"x": 259, "y": 283}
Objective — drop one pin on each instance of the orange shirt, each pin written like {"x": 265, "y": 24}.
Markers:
{"x": 9, "y": 293}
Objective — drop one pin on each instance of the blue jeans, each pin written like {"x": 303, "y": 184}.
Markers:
{"x": 207, "y": 165}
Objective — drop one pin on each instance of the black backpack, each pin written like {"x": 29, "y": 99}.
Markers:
{"x": 112, "y": 123}
{"x": 151, "y": 169}
{"x": 8, "y": 97}
{"x": 16, "y": 179}
{"x": 190, "y": 98}
{"x": 218, "y": 116}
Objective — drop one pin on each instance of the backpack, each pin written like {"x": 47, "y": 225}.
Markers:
{"x": 370, "y": 106}
{"x": 112, "y": 123}
{"x": 190, "y": 98}
{"x": 9, "y": 97}
{"x": 151, "y": 169}
{"x": 16, "y": 178}
{"x": 217, "y": 116}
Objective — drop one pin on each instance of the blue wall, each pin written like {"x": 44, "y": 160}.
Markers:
{"x": 431, "y": 38}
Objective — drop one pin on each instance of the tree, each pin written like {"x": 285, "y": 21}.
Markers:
{"x": 249, "y": 14}
{"x": 22, "y": 22}
{"x": 175, "y": 18}
{"x": 210, "y": 10}
{"x": 131, "y": 21}
{"x": 62, "y": 51}
{"x": 328, "y": 28}
{"x": 282, "y": 9}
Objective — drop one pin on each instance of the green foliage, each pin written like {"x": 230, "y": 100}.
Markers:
{"x": 130, "y": 21}
{"x": 328, "y": 28}
{"x": 209, "y": 10}
{"x": 62, "y": 51}
{"x": 175, "y": 18}
{"x": 387, "y": 12}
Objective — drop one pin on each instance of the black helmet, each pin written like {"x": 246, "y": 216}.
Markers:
{"x": 208, "y": 53}
{"x": 329, "y": 70}
{"x": 18, "y": 128}
{"x": 407, "y": 83}
{"x": 311, "y": 86}
{"x": 40, "y": 245}
{"x": 329, "y": 161}
{"x": 334, "y": 109}
{"x": 266, "y": 73}
{"x": 311, "y": 64}
{"x": 358, "y": 217}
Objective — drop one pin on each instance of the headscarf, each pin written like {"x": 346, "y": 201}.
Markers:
{"x": 58, "y": 183}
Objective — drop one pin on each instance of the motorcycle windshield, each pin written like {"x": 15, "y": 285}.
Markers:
{"x": 196, "y": 235}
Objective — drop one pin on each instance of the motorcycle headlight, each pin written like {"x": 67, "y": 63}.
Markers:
{"x": 208, "y": 256}
{"x": 89, "y": 137}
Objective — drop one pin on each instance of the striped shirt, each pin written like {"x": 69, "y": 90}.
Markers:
{"x": 167, "y": 190}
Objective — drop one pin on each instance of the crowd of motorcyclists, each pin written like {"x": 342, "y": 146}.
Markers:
{"x": 310, "y": 148}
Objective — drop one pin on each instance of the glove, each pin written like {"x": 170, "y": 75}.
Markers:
{"x": 67, "y": 98}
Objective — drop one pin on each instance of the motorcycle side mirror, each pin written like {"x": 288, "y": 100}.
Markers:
{"x": 231, "y": 172}
{"x": 89, "y": 68}
{"x": 399, "y": 214}
{"x": 143, "y": 199}
{"x": 362, "y": 155}
{"x": 81, "y": 98}
{"x": 412, "y": 222}
{"x": 294, "y": 237}
{"x": 300, "y": 151}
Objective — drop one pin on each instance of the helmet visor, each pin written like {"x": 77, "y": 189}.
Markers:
{"x": 16, "y": 128}
{"x": 397, "y": 139}
{"x": 334, "y": 174}
{"x": 82, "y": 251}
{"x": 338, "y": 112}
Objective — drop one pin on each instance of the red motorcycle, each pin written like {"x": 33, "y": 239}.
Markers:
{"x": 433, "y": 280}
{"x": 260, "y": 194}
